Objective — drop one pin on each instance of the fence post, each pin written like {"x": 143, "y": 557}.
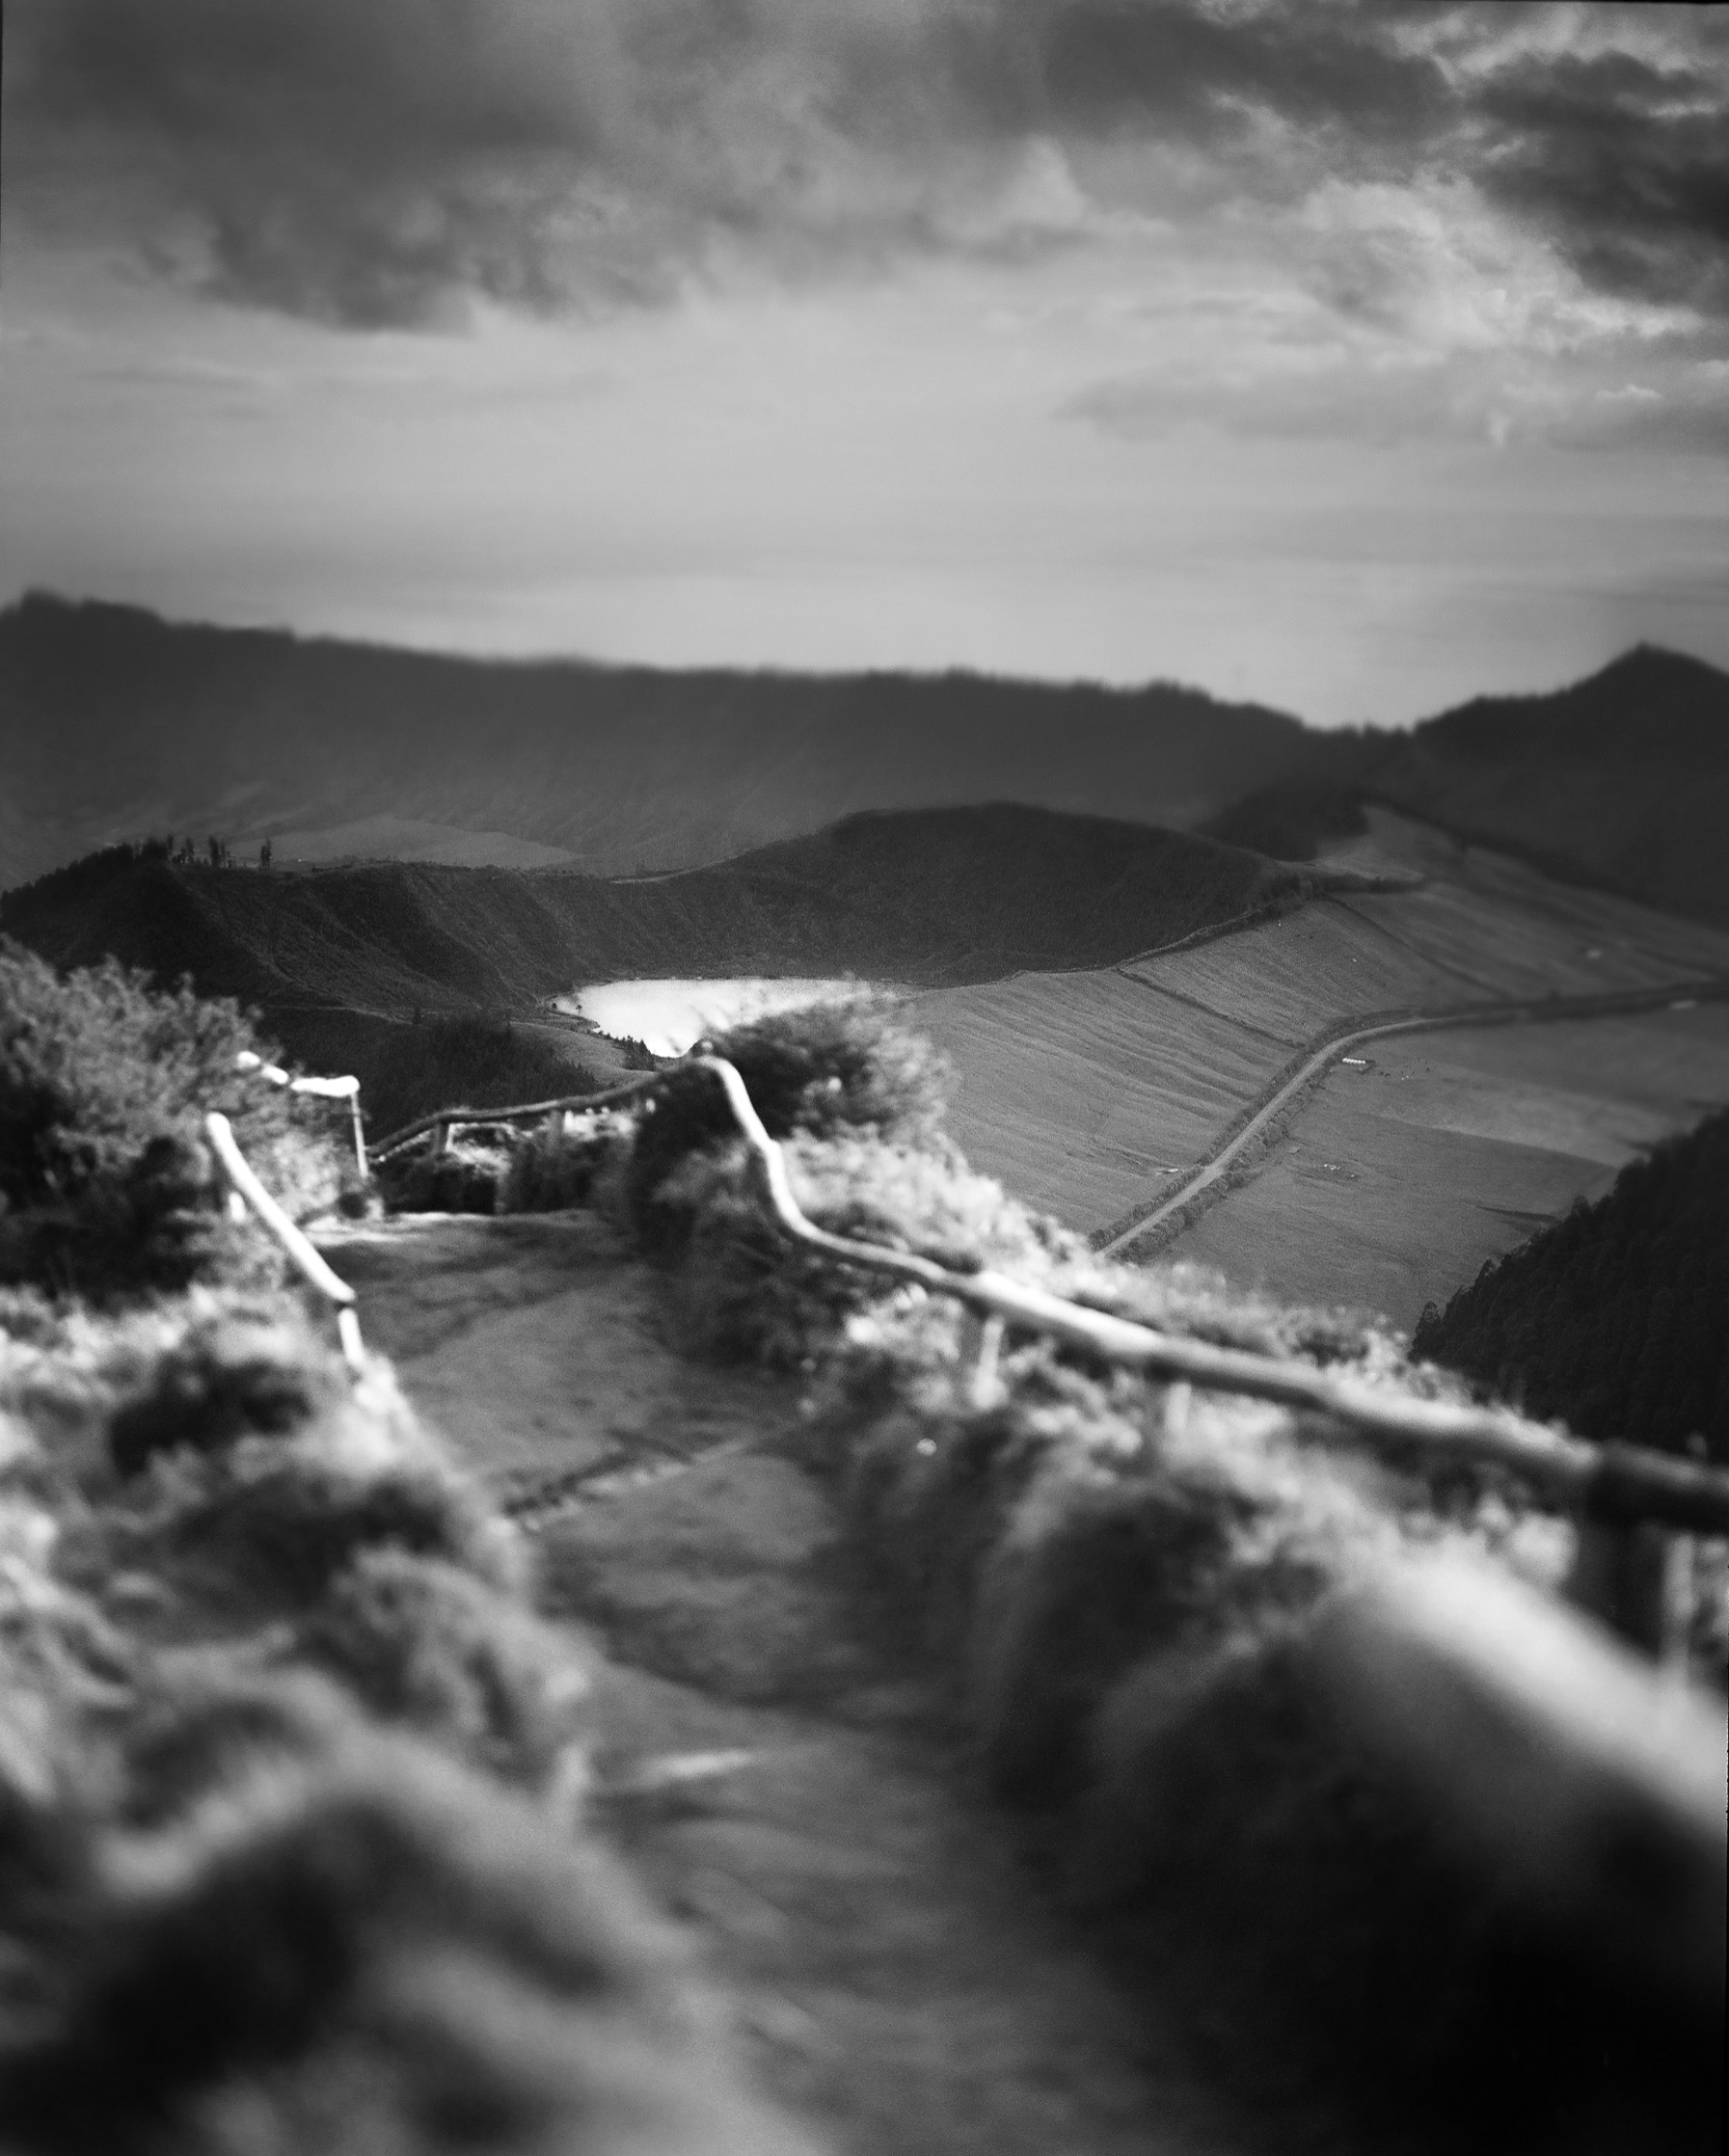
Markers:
{"x": 1624, "y": 1575}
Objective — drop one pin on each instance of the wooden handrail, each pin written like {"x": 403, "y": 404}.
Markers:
{"x": 448, "y": 1118}
{"x": 241, "y": 1178}
{"x": 1615, "y": 1481}
{"x": 1610, "y": 1482}
{"x": 323, "y": 1088}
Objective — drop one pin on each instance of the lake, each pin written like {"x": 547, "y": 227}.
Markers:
{"x": 668, "y": 1015}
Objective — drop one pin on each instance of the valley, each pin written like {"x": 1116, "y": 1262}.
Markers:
{"x": 1118, "y": 1003}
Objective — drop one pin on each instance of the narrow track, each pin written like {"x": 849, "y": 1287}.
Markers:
{"x": 1515, "y": 1010}
{"x": 784, "y": 1768}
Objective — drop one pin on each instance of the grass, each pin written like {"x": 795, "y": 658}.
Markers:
{"x": 106, "y": 1187}
{"x": 1130, "y": 1586}
{"x": 272, "y": 1680}
{"x": 1452, "y": 1150}
{"x": 291, "y": 1845}
{"x": 1090, "y": 1094}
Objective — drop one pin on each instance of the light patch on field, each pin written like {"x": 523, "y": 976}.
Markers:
{"x": 1395, "y": 1184}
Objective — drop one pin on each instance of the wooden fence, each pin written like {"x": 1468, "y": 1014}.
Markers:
{"x": 1627, "y": 1498}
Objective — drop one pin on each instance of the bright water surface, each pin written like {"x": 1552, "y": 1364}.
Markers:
{"x": 668, "y": 1015}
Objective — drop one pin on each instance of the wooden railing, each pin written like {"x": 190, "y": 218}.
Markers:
{"x": 322, "y": 1089}
{"x": 246, "y": 1190}
{"x": 1616, "y": 1485}
{"x": 440, "y": 1125}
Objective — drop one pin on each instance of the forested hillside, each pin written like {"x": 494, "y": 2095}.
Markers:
{"x": 1622, "y": 780}
{"x": 1617, "y": 1318}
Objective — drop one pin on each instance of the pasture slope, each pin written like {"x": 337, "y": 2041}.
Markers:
{"x": 1096, "y": 1093}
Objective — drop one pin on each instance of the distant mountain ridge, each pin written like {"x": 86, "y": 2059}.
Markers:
{"x": 115, "y": 725}
{"x": 1622, "y": 778}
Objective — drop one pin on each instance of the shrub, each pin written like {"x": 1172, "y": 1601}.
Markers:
{"x": 550, "y": 1171}
{"x": 244, "y": 1372}
{"x": 465, "y": 1062}
{"x": 365, "y": 1952}
{"x": 466, "y": 1177}
{"x": 215, "y": 1724}
{"x": 745, "y": 1291}
{"x": 105, "y": 1185}
{"x": 267, "y": 1523}
{"x": 818, "y": 1070}
{"x": 422, "y": 1643}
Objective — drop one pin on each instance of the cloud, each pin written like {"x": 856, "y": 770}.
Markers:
{"x": 383, "y": 163}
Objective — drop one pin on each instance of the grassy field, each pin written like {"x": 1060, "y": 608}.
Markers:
{"x": 1089, "y": 1093}
{"x": 1395, "y": 1183}
{"x": 1081, "y": 1090}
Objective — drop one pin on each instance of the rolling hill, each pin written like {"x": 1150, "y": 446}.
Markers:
{"x": 929, "y": 897}
{"x": 1622, "y": 779}
{"x": 115, "y": 725}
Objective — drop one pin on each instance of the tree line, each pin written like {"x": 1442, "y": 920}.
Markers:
{"x": 186, "y": 852}
{"x": 1616, "y": 1319}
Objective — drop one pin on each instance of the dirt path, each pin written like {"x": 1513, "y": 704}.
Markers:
{"x": 902, "y": 1983}
{"x": 1518, "y": 1010}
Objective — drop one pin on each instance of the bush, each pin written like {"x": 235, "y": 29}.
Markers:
{"x": 743, "y": 1291}
{"x": 370, "y": 1951}
{"x": 246, "y": 1372}
{"x": 466, "y": 1177}
{"x": 461, "y": 1062}
{"x": 239, "y": 1914}
{"x": 105, "y": 1184}
{"x": 266, "y": 1524}
{"x": 550, "y": 1171}
{"x": 821, "y": 1070}
{"x": 425, "y": 1644}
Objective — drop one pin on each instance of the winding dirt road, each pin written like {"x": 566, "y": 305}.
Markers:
{"x": 1516, "y": 1011}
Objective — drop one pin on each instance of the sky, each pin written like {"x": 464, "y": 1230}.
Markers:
{"x": 1354, "y": 356}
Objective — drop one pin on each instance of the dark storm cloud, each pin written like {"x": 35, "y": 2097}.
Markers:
{"x": 1624, "y": 163}
{"x": 374, "y": 161}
